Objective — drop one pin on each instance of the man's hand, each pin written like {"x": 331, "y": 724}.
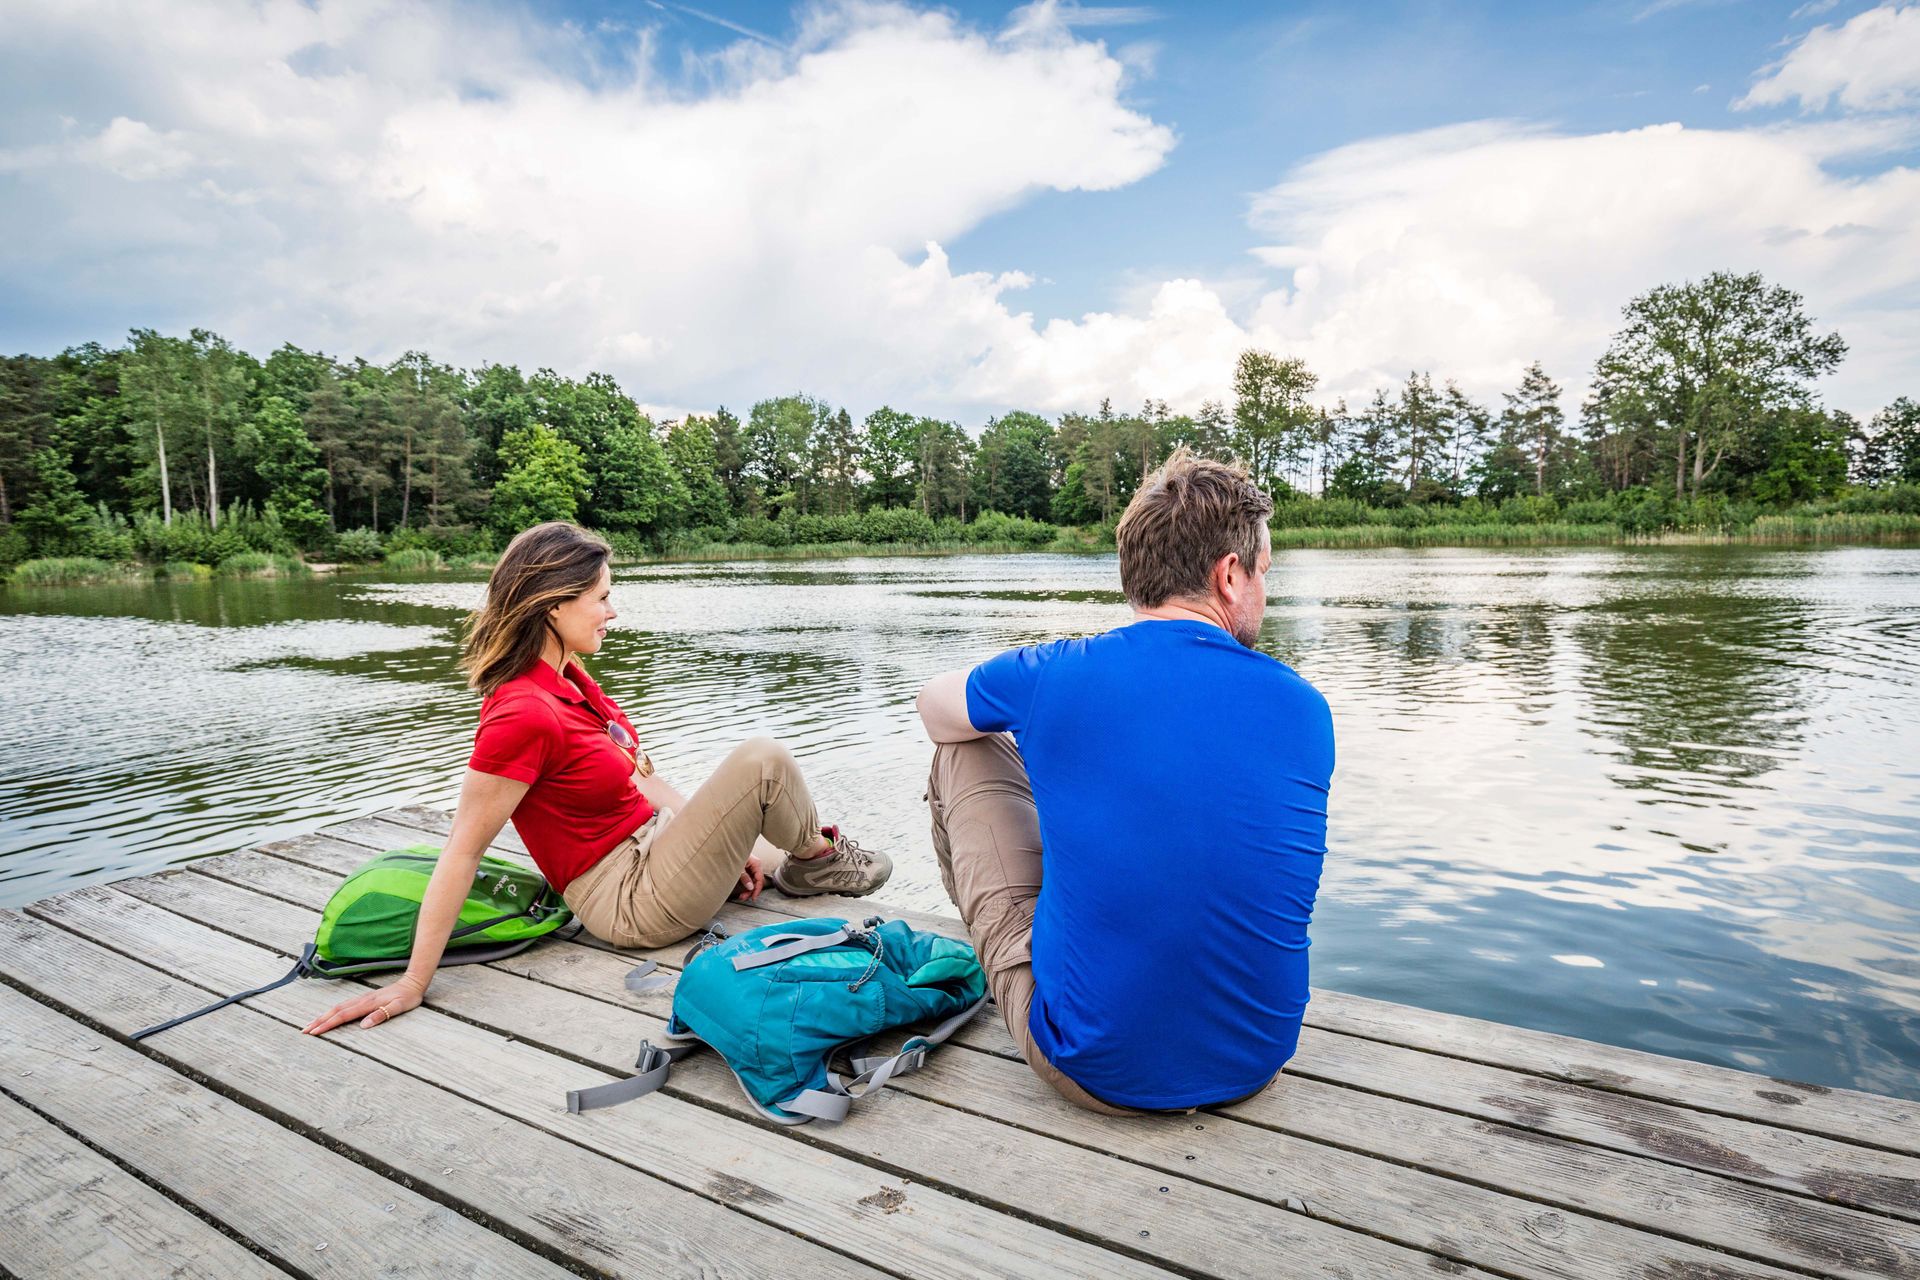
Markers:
{"x": 373, "y": 1008}
{"x": 752, "y": 880}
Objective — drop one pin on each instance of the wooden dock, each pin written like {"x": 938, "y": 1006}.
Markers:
{"x": 1399, "y": 1142}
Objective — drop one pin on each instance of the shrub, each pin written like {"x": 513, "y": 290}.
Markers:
{"x": 60, "y": 571}
{"x": 995, "y": 526}
{"x": 760, "y": 531}
{"x": 452, "y": 541}
{"x": 414, "y": 560}
{"x": 184, "y": 571}
{"x": 895, "y": 524}
{"x": 260, "y": 564}
{"x": 13, "y": 547}
{"x": 358, "y": 545}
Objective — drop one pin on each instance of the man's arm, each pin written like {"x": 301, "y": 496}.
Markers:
{"x": 943, "y": 708}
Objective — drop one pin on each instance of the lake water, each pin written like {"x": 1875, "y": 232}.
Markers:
{"x": 1667, "y": 798}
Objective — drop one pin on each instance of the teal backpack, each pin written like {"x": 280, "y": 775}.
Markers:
{"x": 779, "y": 1002}
{"x": 367, "y": 925}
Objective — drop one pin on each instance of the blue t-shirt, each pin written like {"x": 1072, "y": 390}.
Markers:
{"x": 1181, "y": 780}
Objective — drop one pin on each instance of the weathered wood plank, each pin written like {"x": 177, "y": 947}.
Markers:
{"x": 1615, "y": 1183}
{"x": 1707, "y": 1209}
{"x": 1481, "y": 1225}
{"x": 240, "y": 1168}
{"x": 855, "y": 1209}
{"x": 580, "y": 1205}
{"x": 66, "y": 1210}
{"x": 1846, "y": 1114}
{"x": 1102, "y": 1198}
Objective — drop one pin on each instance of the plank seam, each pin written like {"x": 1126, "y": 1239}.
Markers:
{"x": 500, "y": 1229}
{"x": 399, "y": 1177}
{"x": 138, "y": 1175}
{"x": 1523, "y": 1196}
{"x": 868, "y": 1160}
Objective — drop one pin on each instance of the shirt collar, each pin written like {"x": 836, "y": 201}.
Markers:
{"x": 548, "y": 679}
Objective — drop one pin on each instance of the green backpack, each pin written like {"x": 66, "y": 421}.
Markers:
{"x": 367, "y": 925}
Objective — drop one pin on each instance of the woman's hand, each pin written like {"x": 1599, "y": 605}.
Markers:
{"x": 373, "y": 1008}
{"x": 752, "y": 880}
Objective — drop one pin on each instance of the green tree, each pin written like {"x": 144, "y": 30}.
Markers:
{"x": 889, "y": 458}
{"x": 55, "y": 521}
{"x": 497, "y": 402}
{"x": 26, "y": 425}
{"x": 543, "y": 478}
{"x": 424, "y": 398}
{"x": 289, "y": 465}
{"x": 1534, "y": 424}
{"x": 1271, "y": 416}
{"x": 833, "y": 464}
{"x": 219, "y": 388}
{"x": 644, "y": 492}
{"x": 1891, "y": 446}
{"x": 1422, "y": 428}
{"x": 730, "y": 462}
{"x": 777, "y": 444}
{"x": 1700, "y": 364}
{"x": 690, "y": 452}
{"x": 1010, "y": 471}
{"x": 1797, "y": 455}
{"x": 1372, "y": 460}
{"x": 943, "y": 456}
{"x": 155, "y": 381}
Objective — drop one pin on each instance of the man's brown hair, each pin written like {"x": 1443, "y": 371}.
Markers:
{"x": 1187, "y": 515}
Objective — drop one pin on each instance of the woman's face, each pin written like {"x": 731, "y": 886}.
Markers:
{"x": 582, "y": 621}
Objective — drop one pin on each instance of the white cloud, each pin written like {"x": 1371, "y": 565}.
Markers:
{"x": 1472, "y": 250}
{"x": 371, "y": 177}
{"x": 1871, "y": 63}
{"x": 367, "y": 177}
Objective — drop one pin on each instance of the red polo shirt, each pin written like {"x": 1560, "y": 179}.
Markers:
{"x": 551, "y": 734}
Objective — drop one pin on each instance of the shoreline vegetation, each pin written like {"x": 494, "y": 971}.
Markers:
{"x": 180, "y": 458}
{"x": 1815, "y": 525}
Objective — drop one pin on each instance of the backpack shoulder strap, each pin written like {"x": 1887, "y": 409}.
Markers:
{"x": 832, "y": 1103}
{"x": 651, "y": 1071}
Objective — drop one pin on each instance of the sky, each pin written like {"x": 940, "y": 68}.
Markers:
{"x": 960, "y": 210}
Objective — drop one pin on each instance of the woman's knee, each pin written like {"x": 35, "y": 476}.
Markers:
{"x": 763, "y": 753}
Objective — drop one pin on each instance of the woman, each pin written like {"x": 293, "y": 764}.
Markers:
{"x": 638, "y": 864}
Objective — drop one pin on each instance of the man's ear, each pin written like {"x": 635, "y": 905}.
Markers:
{"x": 1223, "y": 573}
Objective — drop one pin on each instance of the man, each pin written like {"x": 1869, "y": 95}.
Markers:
{"x": 1176, "y": 780}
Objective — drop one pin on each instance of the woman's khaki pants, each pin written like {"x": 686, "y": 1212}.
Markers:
{"x": 667, "y": 879}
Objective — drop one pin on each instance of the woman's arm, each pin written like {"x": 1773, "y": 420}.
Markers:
{"x": 486, "y": 802}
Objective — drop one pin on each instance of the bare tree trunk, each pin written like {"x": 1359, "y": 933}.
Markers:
{"x": 166, "y": 488}
{"x": 1680, "y": 468}
{"x": 6, "y": 516}
{"x": 213, "y": 482}
{"x": 406, "y": 481}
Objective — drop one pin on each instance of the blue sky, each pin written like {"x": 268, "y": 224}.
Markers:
{"x": 959, "y": 210}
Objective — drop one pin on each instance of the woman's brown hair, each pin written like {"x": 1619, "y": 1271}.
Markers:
{"x": 544, "y": 566}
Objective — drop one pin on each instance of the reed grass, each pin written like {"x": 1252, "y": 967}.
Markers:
{"x": 414, "y": 560}
{"x": 67, "y": 571}
{"x": 261, "y": 564}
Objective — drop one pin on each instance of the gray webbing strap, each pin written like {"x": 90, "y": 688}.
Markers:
{"x": 919, "y": 1044}
{"x": 790, "y": 945}
{"x": 654, "y": 1066}
{"x": 831, "y": 1104}
{"x": 642, "y": 978}
{"x": 820, "y": 1104}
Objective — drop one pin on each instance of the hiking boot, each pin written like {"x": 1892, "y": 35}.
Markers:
{"x": 849, "y": 870}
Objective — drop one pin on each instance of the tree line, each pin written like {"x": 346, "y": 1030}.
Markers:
{"x": 1706, "y": 393}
